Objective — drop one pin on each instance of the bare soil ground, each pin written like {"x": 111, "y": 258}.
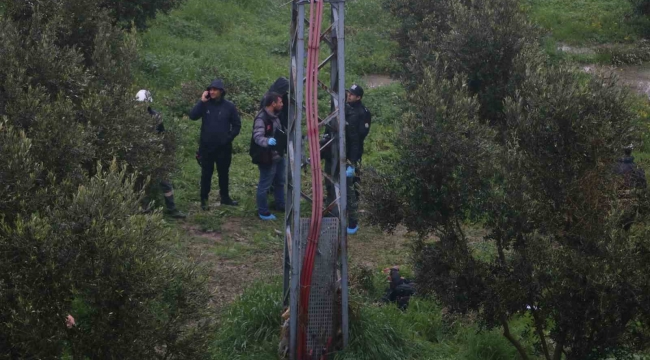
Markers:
{"x": 232, "y": 271}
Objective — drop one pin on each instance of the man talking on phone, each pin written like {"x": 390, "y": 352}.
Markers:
{"x": 219, "y": 127}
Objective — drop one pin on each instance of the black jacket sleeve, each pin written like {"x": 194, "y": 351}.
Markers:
{"x": 235, "y": 124}
{"x": 197, "y": 111}
{"x": 352, "y": 136}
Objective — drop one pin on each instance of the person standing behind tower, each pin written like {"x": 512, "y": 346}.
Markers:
{"x": 268, "y": 146}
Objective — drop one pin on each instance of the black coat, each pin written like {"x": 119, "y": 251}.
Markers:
{"x": 357, "y": 127}
{"x": 220, "y": 120}
{"x": 633, "y": 175}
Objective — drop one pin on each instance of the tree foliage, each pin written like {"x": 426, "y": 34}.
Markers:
{"x": 539, "y": 181}
{"x": 73, "y": 238}
{"x": 474, "y": 40}
{"x": 82, "y": 14}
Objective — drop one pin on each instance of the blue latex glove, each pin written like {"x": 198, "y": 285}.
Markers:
{"x": 350, "y": 171}
{"x": 272, "y": 142}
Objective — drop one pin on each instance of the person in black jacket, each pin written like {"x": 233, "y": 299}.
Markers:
{"x": 268, "y": 146}
{"x": 633, "y": 180}
{"x": 165, "y": 185}
{"x": 219, "y": 127}
{"x": 633, "y": 175}
{"x": 357, "y": 127}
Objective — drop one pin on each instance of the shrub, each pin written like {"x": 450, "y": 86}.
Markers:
{"x": 474, "y": 40}
{"x": 66, "y": 106}
{"x": 80, "y": 15}
{"x": 547, "y": 198}
{"x": 94, "y": 256}
{"x": 641, "y": 6}
{"x": 73, "y": 239}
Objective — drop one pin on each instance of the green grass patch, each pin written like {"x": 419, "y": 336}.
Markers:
{"x": 250, "y": 327}
{"x": 579, "y": 22}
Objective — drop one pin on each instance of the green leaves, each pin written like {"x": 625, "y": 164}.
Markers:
{"x": 498, "y": 138}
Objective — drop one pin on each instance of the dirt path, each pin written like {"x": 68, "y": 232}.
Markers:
{"x": 244, "y": 251}
{"x": 376, "y": 80}
{"x": 636, "y": 77}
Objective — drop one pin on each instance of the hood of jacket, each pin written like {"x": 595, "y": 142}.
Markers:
{"x": 280, "y": 86}
{"x": 218, "y": 84}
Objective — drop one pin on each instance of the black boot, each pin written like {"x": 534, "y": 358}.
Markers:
{"x": 171, "y": 208}
{"x": 227, "y": 200}
{"x": 204, "y": 205}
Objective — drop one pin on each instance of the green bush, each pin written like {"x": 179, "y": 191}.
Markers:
{"x": 93, "y": 255}
{"x": 474, "y": 40}
{"x": 123, "y": 14}
{"x": 66, "y": 106}
{"x": 73, "y": 239}
{"x": 641, "y": 6}
{"x": 547, "y": 198}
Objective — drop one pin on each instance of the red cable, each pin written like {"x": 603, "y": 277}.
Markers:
{"x": 316, "y": 14}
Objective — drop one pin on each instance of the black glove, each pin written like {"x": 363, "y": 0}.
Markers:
{"x": 198, "y": 158}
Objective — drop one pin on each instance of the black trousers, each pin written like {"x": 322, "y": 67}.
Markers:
{"x": 222, "y": 156}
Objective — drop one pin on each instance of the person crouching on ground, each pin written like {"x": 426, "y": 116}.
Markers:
{"x": 268, "y": 146}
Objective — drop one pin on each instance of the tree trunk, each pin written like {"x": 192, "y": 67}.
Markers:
{"x": 559, "y": 347}
{"x": 540, "y": 332}
{"x": 513, "y": 341}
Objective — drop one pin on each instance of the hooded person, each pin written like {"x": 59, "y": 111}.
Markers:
{"x": 165, "y": 185}
{"x": 220, "y": 124}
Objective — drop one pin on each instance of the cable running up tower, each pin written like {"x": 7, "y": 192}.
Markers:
{"x": 316, "y": 248}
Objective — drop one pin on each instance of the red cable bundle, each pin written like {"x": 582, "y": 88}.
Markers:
{"x": 311, "y": 91}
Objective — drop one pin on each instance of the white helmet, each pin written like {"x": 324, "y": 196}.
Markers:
{"x": 144, "y": 95}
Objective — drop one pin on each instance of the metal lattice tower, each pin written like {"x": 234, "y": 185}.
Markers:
{"x": 325, "y": 312}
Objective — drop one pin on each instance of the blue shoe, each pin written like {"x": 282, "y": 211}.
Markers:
{"x": 266, "y": 217}
{"x": 352, "y": 231}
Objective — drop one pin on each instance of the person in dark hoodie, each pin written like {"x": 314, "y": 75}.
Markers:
{"x": 219, "y": 127}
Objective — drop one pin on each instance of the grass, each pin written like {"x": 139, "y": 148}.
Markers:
{"x": 581, "y": 22}
{"x": 251, "y": 329}
{"x": 597, "y": 31}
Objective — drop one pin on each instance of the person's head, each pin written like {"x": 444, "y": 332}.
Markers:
{"x": 144, "y": 96}
{"x": 216, "y": 89}
{"x": 214, "y": 93}
{"x": 273, "y": 102}
{"x": 628, "y": 149}
{"x": 355, "y": 93}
